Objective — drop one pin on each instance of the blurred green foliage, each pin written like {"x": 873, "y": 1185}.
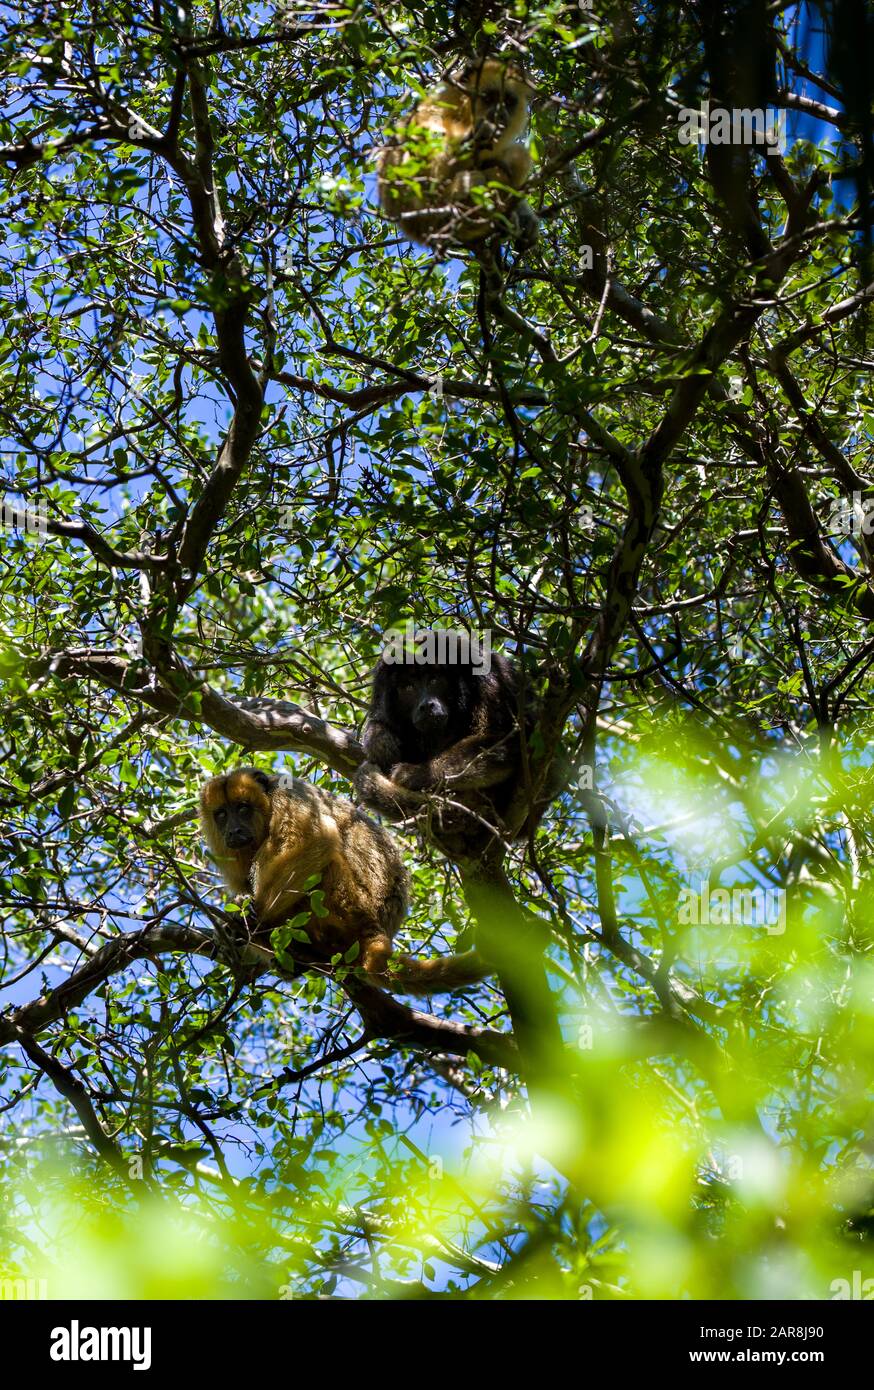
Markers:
{"x": 705, "y": 1131}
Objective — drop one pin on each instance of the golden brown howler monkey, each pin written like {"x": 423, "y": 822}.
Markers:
{"x": 466, "y": 134}
{"x": 273, "y": 836}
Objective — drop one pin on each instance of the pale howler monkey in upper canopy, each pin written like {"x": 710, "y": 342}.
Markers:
{"x": 448, "y": 727}
{"x": 453, "y": 175}
{"x": 278, "y": 840}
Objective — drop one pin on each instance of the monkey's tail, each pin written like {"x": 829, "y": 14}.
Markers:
{"x": 409, "y": 975}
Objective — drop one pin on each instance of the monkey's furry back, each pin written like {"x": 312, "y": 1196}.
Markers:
{"x": 372, "y": 882}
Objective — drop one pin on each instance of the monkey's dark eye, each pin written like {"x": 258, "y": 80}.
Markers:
{"x": 244, "y": 808}
{"x": 221, "y": 815}
{"x": 511, "y": 101}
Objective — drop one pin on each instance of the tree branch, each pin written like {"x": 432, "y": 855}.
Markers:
{"x": 384, "y": 1016}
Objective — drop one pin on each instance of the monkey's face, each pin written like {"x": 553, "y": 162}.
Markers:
{"x": 425, "y": 699}
{"x": 236, "y": 824}
{"x": 237, "y": 810}
{"x": 499, "y": 98}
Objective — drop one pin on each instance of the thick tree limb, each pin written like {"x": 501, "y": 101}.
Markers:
{"x": 384, "y": 1017}
{"x": 255, "y": 723}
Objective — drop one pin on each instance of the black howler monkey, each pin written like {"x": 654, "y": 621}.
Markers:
{"x": 442, "y": 727}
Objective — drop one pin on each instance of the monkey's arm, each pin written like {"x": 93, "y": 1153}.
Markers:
{"x": 465, "y": 828}
{"x": 511, "y": 164}
{"x": 383, "y": 795}
{"x": 380, "y": 744}
{"x": 511, "y": 167}
{"x": 470, "y": 764}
